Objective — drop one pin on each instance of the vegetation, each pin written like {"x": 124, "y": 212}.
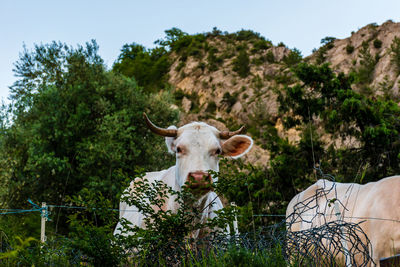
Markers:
{"x": 241, "y": 64}
{"x": 74, "y": 137}
{"x": 345, "y": 114}
{"x": 377, "y": 43}
{"x": 367, "y": 64}
{"x": 395, "y": 51}
{"x": 148, "y": 67}
{"x": 76, "y": 126}
{"x": 293, "y": 58}
{"x": 349, "y": 49}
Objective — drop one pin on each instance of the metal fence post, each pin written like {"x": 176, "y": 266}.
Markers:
{"x": 43, "y": 223}
{"x": 235, "y": 222}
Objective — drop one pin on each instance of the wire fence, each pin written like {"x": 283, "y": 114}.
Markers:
{"x": 325, "y": 242}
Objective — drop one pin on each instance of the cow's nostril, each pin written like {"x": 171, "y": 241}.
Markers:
{"x": 200, "y": 176}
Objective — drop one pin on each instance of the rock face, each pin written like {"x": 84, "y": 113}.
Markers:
{"x": 344, "y": 56}
{"x": 219, "y": 94}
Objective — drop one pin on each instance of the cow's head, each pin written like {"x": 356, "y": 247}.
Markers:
{"x": 198, "y": 147}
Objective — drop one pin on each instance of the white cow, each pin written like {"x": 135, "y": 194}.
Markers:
{"x": 375, "y": 203}
{"x": 198, "y": 147}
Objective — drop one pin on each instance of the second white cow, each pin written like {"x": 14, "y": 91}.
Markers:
{"x": 198, "y": 147}
{"x": 376, "y": 206}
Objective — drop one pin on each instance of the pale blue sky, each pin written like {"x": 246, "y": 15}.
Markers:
{"x": 297, "y": 23}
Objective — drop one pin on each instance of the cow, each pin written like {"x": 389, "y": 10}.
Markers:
{"x": 198, "y": 147}
{"x": 375, "y": 206}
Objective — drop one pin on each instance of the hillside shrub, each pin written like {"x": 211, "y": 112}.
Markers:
{"x": 293, "y": 58}
{"x": 213, "y": 61}
{"x": 229, "y": 100}
{"x": 241, "y": 64}
{"x": 270, "y": 58}
{"x": 147, "y": 66}
{"x": 180, "y": 66}
{"x": 260, "y": 45}
{"x": 328, "y": 42}
{"x": 211, "y": 107}
{"x": 395, "y": 52}
{"x": 377, "y": 43}
{"x": 367, "y": 64}
{"x": 321, "y": 55}
{"x": 349, "y": 49}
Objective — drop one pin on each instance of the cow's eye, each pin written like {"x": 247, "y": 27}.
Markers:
{"x": 178, "y": 149}
{"x": 218, "y": 151}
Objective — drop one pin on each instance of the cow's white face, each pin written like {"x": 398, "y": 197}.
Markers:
{"x": 198, "y": 148}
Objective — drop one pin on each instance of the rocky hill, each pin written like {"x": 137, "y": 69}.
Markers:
{"x": 226, "y": 79}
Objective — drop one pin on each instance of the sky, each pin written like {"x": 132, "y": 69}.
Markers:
{"x": 299, "y": 24}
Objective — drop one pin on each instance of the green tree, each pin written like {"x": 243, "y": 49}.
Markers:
{"x": 293, "y": 58}
{"x": 370, "y": 122}
{"x": 241, "y": 64}
{"x": 395, "y": 52}
{"x": 76, "y": 125}
{"x": 148, "y": 66}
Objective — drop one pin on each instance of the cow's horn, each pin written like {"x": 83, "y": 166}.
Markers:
{"x": 160, "y": 131}
{"x": 228, "y": 134}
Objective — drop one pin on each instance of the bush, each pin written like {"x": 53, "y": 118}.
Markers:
{"x": 367, "y": 64}
{"x": 328, "y": 42}
{"x": 213, "y": 60}
{"x": 148, "y": 66}
{"x": 377, "y": 43}
{"x": 260, "y": 45}
{"x": 349, "y": 49}
{"x": 395, "y": 52}
{"x": 241, "y": 64}
{"x": 229, "y": 100}
{"x": 293, "y": 58}
{"x": 270, "y": 57}
{"x": 211, "y": 107}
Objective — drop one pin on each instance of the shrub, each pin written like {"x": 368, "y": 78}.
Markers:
{"x": 166, "y": 234}
{"x": 148, "y": 66}
{"x": 270, "y": 57}
{"x": 321, "y": 55}
{"x": 241, "y": 64}
{"x": 377, "y": 43}
{"x": 367, "y": 64}
{"x": 211, "y": 107}
{"x": 328, "y": 42}
{"x": 213, "y": 60}
{"x": 180, "y": 66}
{"x": 260, "y": 45}
{"x": 349, "y": 49}
{"x": 229, "y": 100}
{"x": 395, "y": 51}
{"x": 293, "y": 58}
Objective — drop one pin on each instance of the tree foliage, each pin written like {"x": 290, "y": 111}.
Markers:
{"x": 371, "y": 123}
{"x": 147, "y": 66}
{"x": 76, "y": 125}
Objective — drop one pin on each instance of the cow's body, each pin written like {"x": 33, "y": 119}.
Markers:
{"x": 376, "y": 203}
{"x": 210, "y": 201}
{"x": 198, "y": 147}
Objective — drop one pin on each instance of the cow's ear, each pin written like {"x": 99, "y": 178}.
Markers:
{"x": 169, "y": 141}
{"x": 237, "y": 146}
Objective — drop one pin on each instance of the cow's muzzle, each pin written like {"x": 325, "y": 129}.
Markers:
{"x": 199, "y": 180}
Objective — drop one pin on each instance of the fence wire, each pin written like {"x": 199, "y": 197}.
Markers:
{"x": 324, "y": 242}
{"x": 313, "y": 238}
